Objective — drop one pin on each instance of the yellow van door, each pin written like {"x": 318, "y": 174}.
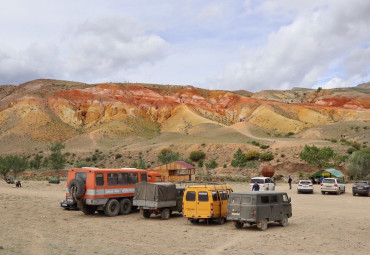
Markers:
{"x": 223, "y": 200}
{"x": 190, "y": 204}
{"x": 203, "y": 205}
{"x": 217, "y": 205}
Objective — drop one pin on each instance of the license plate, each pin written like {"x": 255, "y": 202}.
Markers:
{"x": 305, "y": 186}
{"x": 235, "y": 213}
{"x": 64, "y": 204}
{"x": 359, "y": 187}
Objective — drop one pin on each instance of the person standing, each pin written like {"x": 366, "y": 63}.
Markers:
{"x": 255, "y": 187}
{"x": 290, "y": 182}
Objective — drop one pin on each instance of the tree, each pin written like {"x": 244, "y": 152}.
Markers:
{"x": 197, "y": 155}
{"x": 324, "y": 157}
{"x": 4, "y": 169}
{"x": 36, "y": 162}
{"x": 240, "y": 160}
{"x": 16, "y": 164}
{"x": 358, "y": 164}
{"x": 57, "y": 159}
{"x": 167, "y": 156}
{"x": 141, "y": 163}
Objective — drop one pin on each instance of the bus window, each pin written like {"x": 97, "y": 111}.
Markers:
{"x": 99, "y": 179}
{"x": 143, "y": 177}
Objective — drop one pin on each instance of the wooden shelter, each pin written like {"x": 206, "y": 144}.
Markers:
{"x": 178, "y": 171}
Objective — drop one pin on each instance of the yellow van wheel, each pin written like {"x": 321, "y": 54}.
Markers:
{"x": 221, "y": 220}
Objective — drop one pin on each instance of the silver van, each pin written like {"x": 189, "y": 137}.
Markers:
{"x": 259, "y": 208}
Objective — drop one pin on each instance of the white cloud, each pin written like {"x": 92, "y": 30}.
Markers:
{"x": 299, "y": 53}
{"x": 110, "y": 44}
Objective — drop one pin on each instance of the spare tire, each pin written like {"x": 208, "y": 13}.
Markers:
{"x": 76, "y": 189}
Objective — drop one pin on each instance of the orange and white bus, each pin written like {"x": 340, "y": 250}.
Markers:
{"x": 105, "y": 190}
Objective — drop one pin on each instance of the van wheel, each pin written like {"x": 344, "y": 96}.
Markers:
{"x": 88, "y": 209}
{"x": 146, "y": 213}
{"x": 238, "y": 224}
{"x": 322, "y": 192}
{"x": 165, "y": 214}
{"x": 284, "y": 222}
{"x": 125, "y": 206}
{"x": 220, "y": 220}
{"x": 111, "y": 208}
{"x": 262, "y": 225}
{"x": 76, "y": 189}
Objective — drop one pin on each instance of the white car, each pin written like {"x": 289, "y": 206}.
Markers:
{"x": 265, "y": 183}
{"x": 332, "y": 185}
{"x": 304, "y": 186}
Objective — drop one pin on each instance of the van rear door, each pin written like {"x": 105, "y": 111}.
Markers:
{"x": 190, "y": 204}
{"x": 204, "y": 204}
{"x": 234, "y": 207}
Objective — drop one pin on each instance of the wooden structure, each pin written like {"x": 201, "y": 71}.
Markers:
{"x": 178, "y": 171}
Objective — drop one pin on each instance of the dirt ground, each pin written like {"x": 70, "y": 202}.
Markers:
{"x": 32, "y": 222}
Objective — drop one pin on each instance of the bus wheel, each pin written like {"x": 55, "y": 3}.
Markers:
{"x": 111, "y": 208}
{"x": 125, "y": 206}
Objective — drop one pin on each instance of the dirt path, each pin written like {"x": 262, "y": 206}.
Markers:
{"x": 32, "y": 222}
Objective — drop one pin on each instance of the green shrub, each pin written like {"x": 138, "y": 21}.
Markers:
{"x": 255, "y": 143}
{"x": 351, "y": 150}
{"x": 200, "y": 163}
{"x": 197, "y": 155}
{"x": 252, "y": 155}
{"x": 118, "y": 155}
{"x": 333, "y": 140}
{"x": 80, "y": 164}
{"x": 266, "y": 156}
{"x": 225, "y": 165}
{"x": 264, "y": 146}
{"x": 282, "y": 155}
{"x": 356, "y": 145}
{"x": 212, "y": 164}
{"x": 289, "y": 134}
{"x": 239, "y": 159}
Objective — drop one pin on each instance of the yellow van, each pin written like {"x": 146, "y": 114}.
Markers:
{"x": 206, "y": 202}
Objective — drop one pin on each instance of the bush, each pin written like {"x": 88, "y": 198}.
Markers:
{"x": 197, "y": 155}
{"x": 358, "y": 164}
{"x": 168, "y": 156}
{"x": 351, "y": 150}
{"x": 225, "y": 165}
{"x": 264, "y": 146}
{"x": 255, "y": 143}
{"x": 118, "y": 155}
{"x": 200, "y": 163}
{"x": 211, "y": 164}
{"x": 266, "y": 156}
{"x": 356, "y": 145}
{"x": 80, "y": 164}
{"x": 282, "y": 155}
{"x": 289, "y": 134}
{"x": 252, "y": 155}
{"x": 333, "y": 140}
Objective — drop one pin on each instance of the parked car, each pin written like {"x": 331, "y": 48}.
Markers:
{"x": 160, "y": 198}
{"x": 259, "y": 208}
{"x": 265, "y": 183}
{"x": 361, "y": 188}
{"x": 206, "y": 202}
{"x": 332, "y": 185}
{"x": 304, "y": 186}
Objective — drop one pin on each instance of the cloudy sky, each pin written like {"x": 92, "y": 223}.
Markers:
{"x": 214, "y": 44}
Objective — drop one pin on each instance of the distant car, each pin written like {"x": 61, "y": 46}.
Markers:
{"x": 332, "y": 185}
{"x": 265, "y": 183}
{"x": 304, "y": 186}
{"x": 361, "y": 188}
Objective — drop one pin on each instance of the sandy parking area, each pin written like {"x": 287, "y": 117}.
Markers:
{"x": 32, "y": 222}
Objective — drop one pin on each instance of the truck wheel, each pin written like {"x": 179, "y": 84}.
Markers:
{"x": 76, "y": 188}
{"x": 220, "y": 220}
{"x": 238, "y": 224}
{"x": 284, "y": 222}
{"x": 88, "y": 209}
{"x": 262, "y": 225}
{"x": 111, "y": 208}
{"x": 146, "y": 213}
{"x": 165, "y": 214}
{"x": 125, "y": 206}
